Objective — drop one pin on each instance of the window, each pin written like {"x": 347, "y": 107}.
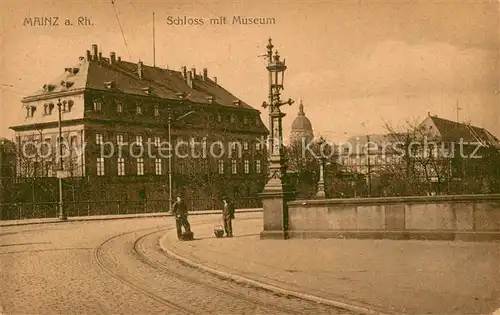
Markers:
{"x": 140, "y": 166}
{"x": 121, "y": 166}
{"x": 257, "y": 167}
{"x": 138, "y": 109}
{"x": 100, "y": 166}
{"x": 74, "y": 142}
{"x": 119, "y": 108}
{"x": 97, "y": 106}
{"x": 47, "y": 109}
{"x": 234, "y": 167}
{"x": 158, "y": 166}
{"x": 245, "y": 120}
{"x": 219, "y": 118}
{"x": 156, "y": 111}
{"x": 221, "y": 166}
{"x": 99, "y": 139}
{"x": 157, "y": 141}
{"x": 138, "y": 140}
{"x": 119, "y": 139}
{"x": 257, "y": 145}
{"x": 245, "y": 145}
{"x": 30, "y": 111}
{"x": 257, "y": 120}
{"x": 246, "y": 165}
{"x": 233, "y": 119}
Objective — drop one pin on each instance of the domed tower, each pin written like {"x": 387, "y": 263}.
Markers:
{"x": 301, "y": 127}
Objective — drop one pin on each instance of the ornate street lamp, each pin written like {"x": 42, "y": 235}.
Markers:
{"x": 169, "y": 131}
{"x": 60, "y": 172}
{"x": 321, "y": 183}
{"x": 277, "y": 191}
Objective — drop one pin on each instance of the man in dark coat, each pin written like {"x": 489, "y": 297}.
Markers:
{"x": 179, "y": 210}
{"x": 228, "y": 216}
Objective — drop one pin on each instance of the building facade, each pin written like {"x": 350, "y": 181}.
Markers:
{"x": 115, "y": 118}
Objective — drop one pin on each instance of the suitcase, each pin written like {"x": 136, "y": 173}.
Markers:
{"x": 187, "y": 236}
{"x": 219, "y": 231}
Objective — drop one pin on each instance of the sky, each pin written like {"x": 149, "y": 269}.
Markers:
{"x": 355, "y": 64}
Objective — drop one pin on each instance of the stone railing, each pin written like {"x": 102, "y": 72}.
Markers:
{"x": 460, "y": 217}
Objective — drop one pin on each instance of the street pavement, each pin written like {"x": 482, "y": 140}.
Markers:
{"x": 117, "y": 267}
{"x": 415, "y": 277}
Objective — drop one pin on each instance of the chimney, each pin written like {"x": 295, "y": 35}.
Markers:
{"x": 205, "y": 74}
{"x": 88, "y": 55}
{"x": 139, "y": 69}
{"x": 119, "y": 59}
{"x": 112, "y": 59}
{"x": 184, "y": 73}
{"x": 215, "y": 80}
{"x": 94, "y": 52}
{"x": 100, "y": 56}
{"x": 190, "y": 79}
{"x": 193, "y": 70}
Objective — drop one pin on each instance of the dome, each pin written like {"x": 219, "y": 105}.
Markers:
{"x": 301, "y": 127}
{"x": 301, "y": 122}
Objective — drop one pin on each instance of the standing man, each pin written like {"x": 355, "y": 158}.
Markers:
{"x": 228, "y": 216}
{"x": 179, "y": 210}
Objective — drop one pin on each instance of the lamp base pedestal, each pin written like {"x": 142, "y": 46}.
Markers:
{"x": 275, "y": 212}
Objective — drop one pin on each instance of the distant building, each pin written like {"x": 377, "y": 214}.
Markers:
{"x": 108, "y": 102}
{"x": 437, "y": 152}
{"x": 301, "y": 128}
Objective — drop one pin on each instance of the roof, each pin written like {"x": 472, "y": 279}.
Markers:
{"x": 93, "y": 74}
{"x": 454, "y": 131}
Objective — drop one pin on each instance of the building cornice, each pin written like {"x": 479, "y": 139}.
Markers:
{"x": 41, "y": 97}
{"x": 54, "y": 124}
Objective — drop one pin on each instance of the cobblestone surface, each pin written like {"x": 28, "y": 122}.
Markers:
{"x": 418, "y": 277}
{"x": 53, "y": 269}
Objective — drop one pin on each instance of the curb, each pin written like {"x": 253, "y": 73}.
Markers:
{"x": 270, "y": 287}
{"x": 122, "y": 217}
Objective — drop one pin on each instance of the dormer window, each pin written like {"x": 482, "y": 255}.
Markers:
{"x": 180, "y": 95}
{"x": 97, "y": 106}
{"x": 119, "y": 108}
{"x": 237, "y": 103}
{"x": 109, "y": 85}
{"x": 138, "y": 109}
{"x": 48, "y": 87}
{"x": 66, "y": 84}
{"x": 147, "y": 90}
{"x": 72, "y": 71}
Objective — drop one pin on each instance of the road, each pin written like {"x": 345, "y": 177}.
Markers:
{"x": 117, "y": 267}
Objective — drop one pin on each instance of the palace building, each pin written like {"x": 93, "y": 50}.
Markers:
{"x": 115, "y": 121}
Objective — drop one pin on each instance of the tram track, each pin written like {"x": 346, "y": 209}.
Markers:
{"x": 177, "y": 280}
{"x": 195, "y": 281}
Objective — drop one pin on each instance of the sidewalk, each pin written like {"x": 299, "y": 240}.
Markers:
{"x": 417, "y": 277}
{"x": 4, "y": 223}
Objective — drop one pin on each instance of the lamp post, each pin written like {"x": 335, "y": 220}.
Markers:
{"x": 277, "y": 190}
{"x": 321, "y": 183}
{"x": 60, "y": 172}
{"x": 169, "y": 128}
